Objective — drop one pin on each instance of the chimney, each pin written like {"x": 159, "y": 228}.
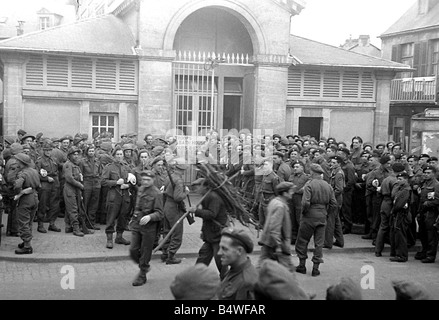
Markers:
{"x": 20, "y": 29}
{"x": 364, "y": 40}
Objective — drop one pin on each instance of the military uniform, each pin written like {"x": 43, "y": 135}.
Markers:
{"x": 118, "y": 201}
{"x": 149, "y": 202}
{"x": 91, "y": 170}
{"x": 333, "y": 226}
{"x": 299, "y": 180}
{"x": 350, "y": 179}
{"x": 267, "y": 193}
{"x": 48, "y": 209}
{"x": 72, "y": 196}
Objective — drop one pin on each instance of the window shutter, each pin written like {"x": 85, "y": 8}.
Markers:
{"x": 82, "y": 73}
{"x": 34, "y": 71}
{"x": 423, "y": 52}
{"x": 331, "y": 84}
{"x": 312, "y": 83}
{"x": 396, "y": 53}
{"x": 106, "y": 74}
{"x": 57, "y": 71}
{"x": 127, "y": 76}
{"x": 350, "y": 85}
{"x": 294, "y": 82}
{"x": 367, "y": 86}
{"x": 417, "y": 60}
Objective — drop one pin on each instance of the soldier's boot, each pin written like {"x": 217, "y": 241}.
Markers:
{"x": 77, "y": 232}
{"x": 41, "y": 228}
{"x": 86, "y": 230}
{"x": 69, "y": 229}
{"x": 140, "y": 279}
{"x": 164, "y": 257}
{"x": 120, "y": 240}
{"x": 172, "y": 259}
{"x": 26, "y": 249}
{"x": 54, "y": 228}
{"x": 301, "y": 268}
{"x": 315, "y": 270}
{"x": 109, "y": 241}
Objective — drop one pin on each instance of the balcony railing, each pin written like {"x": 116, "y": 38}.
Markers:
{"x": 414, "y": 90}
{"x": 224, "y": 58}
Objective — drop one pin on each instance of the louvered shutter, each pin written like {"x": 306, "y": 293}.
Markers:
{"x": 127, "y": 76}
{"x": 35, "y": 71}
{"x": 350, "y": 85}
{"x": 57, "y": 71}
{"x": 294, "y": 82}
{"x": 312, "y": 83}
{"x": 106, "y": 74}
{"x": 331, "y": 84}
{"x": 367, "y": 86}
{"x": 82, "y": 73}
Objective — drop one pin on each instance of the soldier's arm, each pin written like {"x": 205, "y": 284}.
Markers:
{"x": 351, "y": 177}
{"x": 276, "y": 222}
{"x": 306, "y": 199}
{"x": 209, "y": 212}
{"x": 157, "y": 214}
{"x": 68, "y": 175}
{"x": 401, "y": 199}
{"x": 38, "y": 168}
{"x": 434, "y": 202}
{"x": 179, "y": 191}
{"x": 339, "y": 184}
{"x": 106, "y": 182}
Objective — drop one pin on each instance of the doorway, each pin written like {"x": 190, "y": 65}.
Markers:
{"x": 232, "y": 112}
{"x": 310, "y": 127}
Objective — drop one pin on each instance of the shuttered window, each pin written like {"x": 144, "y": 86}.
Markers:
{"x": 82, "y": 73}
{"x": 332, "y": 84}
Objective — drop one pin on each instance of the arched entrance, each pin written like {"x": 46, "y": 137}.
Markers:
{"x": 213, "y": 72}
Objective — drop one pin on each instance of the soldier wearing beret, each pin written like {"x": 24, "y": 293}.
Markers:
{"x": 239, "y": 282}
{"x": 26, "y": 187}
{"x": 144, "y": 224}
{"x": 276, "y": 235}
{"x": 282, "y": 169}
{"x": 115, "y": 177}
{"x": 318, "y": 198}
{"x": 428, "y": 215}
{"x": 349, "y": 172}
{"x": 48, "y": 209}
{"x": 213, "y": 212}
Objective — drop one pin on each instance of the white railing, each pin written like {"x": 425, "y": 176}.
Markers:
{"x": 205, "y": 57}
{"x": 423, "y": 89}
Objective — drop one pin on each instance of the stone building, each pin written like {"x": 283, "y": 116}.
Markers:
{"x": 191, "y": 65}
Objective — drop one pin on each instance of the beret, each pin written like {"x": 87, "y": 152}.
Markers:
{"x": 346, "y": 289}
{"x": 429, "y": 167}
{"x": 276, "y": 135}
{"x": 384, "y": 159}
{"x": 339, "y": 159}
{"x": 9, "y": 140}
{"x": 16, "y": 148}
{"x": 197, "y": 282}
{"x": 433, "y": 159}
{"x": 240, "y": 235}
{"x": 407, "y": 290}
{"x": 398, "y": 167}
{"x": 276, "y": 282}
{"x": 284, "y": 186}
{"x": 424, "y": 156}
{"x": 345, "y": 150}
{"x": 22, "y": 132}
{"x": 367, "y": 144}
{"x": 106, "y": 146}
{"x": 156, "y": 159}
{"x": 412, "y": 156}
{"x": 147, "y": 173}
{"x": 279, "y": 154}
{"x": 157, "y": 150}
{"x": 179, "y": 163}
{"x": 403, "y": 175}
{"x": 316, "y": 168}
{"x": 128, "y": 146}
{"x": 73, "y": 150}
{"x": 67, "y": 137}
{"x": 24, "y": 158}
{"x": 28, "y": 136}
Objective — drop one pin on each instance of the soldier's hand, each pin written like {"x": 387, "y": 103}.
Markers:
{"x": 145, "y": 220}
{"x": 50, "y": 179}
{"x": 124, "y": 186}
{"x": 120, "y": 182}
{"x": 81, "y": 186}
{"x": 162, "y": 189}
{"x": 192, "y": 209}
{"x": 187, "y": 189}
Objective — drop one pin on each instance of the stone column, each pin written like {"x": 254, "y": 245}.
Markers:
{"x": 13, "y": 79}
{"x": 271, "y": 94}
{"x": 155, "y": 92}
{"x": 382, "y": 111}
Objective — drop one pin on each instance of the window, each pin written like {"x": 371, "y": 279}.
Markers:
{"x": 407, "y": 53}
{"x": 44, "y": 23}
{"x": 104, "y": 122}
{"x": 434, "y": 71}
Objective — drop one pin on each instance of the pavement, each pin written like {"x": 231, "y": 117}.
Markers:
{"x": 54, "y": 247}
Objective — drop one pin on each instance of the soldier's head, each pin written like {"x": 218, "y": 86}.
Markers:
{"x": 143, "y": 156}
{"x": 74, "y": 153}
{"x": 423, "y": 159}
{"x": 335, "y": 162}
{"x": 412, "y": 160}
{"x": 118, "y": 154}
{"x": 147, "y": 178}
{"x": 429, "y": 172}
{"x": 234, "y": 247}
{"x": 298, "y": 167}
{"x": 357, "y": 142}
{"x": 149, "y": 138}
{"x": 278, "y": 157}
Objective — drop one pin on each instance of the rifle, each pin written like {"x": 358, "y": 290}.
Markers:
{"x": 22, "y": 193}
{"x": 181, "y": 204}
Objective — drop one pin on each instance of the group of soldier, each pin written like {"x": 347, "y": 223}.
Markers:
{"x": 316, "y": 188}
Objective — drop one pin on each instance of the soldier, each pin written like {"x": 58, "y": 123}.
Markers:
{"x": 73, "y": 192}
{"x": 428, "y": 215}
{"x": 239, "y": 282}
{"x": 48, "y": 208}
{"x": 175, "y": 194}
{"x": 333, "y": 226}
{"x": 350, "y": 179}
{"x": 299, "y": 178}
{"x": 318, "y": 198}
{"x": 60, "y": 156}
{"x": 283, "y": 170}
{"x": 91, "y": 170}
{"x": 20, "y": 134}
{"x": 26, "y": 187}
{"x": 144, "y": 224}
{"x": 276, "y": 236}
{"x": 115, "y": 176}
{"x": 267, "y": 189}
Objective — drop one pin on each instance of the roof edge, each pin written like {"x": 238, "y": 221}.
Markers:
{"x": 387, "y": 35}
{"x": 59, "y": 52}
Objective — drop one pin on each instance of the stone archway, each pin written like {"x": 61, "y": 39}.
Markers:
{"x": 234, "y": 8}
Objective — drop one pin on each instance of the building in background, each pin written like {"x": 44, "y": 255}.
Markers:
{"x": 413, "y": 40}
{"x": 155, "y": 66}
{"x": 362, "y": 45}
